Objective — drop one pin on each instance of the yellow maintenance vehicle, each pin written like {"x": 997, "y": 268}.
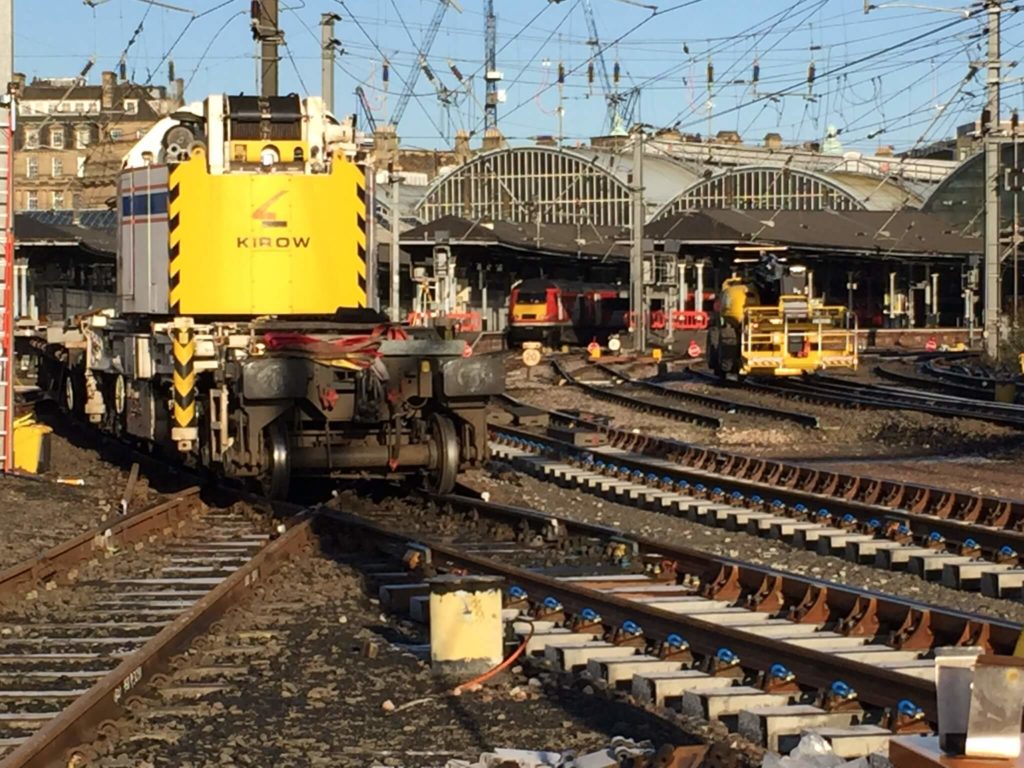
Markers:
{"x": 768, "y": 323}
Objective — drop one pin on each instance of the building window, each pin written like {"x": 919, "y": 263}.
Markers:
{"x": 58, "y": 167}
{"x": 76, "y": 201}
{"x": 58, "y": 200}
{"x": 57, "y": 137}
{"x": 84, "y": 136}
{"x": 116, "y": 134}
{"x": 31, "y": 138}
{"x": 131, "y": 106}
{"x": 80, "y": 171}
{"x": 32, "y": 201}
{"x": 31, "y": 167}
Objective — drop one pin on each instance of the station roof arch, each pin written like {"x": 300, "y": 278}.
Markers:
{"x": 551, "y": 185}
{"x": 779, "y": 187}
{"x": 960, "y": 198}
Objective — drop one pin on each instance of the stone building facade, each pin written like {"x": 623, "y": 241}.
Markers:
{"x": 71, "y": 138}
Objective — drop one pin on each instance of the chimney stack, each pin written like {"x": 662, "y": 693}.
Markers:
{"x": 109, "y": 82}
{"x": 463, "y": 154}
{"x": 493, "y": 140}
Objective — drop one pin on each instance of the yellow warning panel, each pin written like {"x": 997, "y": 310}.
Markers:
{"x": 266, "y": 243}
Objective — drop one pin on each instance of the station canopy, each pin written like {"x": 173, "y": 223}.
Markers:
{"x": 872, "y": 234}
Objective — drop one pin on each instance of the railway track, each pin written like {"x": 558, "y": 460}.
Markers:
{"x": 636, "y": 403}
{"x": 708, "y": 401}
{"x": 832, "y": 390}
{"x": 91, "y": 620}
{"x": 674, "y": 626}
{"x": 920, "y": 380}
{"x": 678, "y": 628}
{"x": 966, "y": 541}
{"x": 965, "y": 373}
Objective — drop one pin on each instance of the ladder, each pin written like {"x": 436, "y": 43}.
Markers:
{"x": 7, "y": 294}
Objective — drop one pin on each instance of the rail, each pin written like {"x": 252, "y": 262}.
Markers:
{"x": 619, "y": 398}
{"x": 909, "y": 625}
{"x": 58, "y": 561}
{"x": 986, "y": 382}
{"x": 992, "y": 522}
{"x": 921, "y": 381}
{"x": 831, "y": 390}
{"x": 106, "y": 700}
{"x": 717, "y": 403}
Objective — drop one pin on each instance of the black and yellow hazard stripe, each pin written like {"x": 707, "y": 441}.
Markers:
{"x": 174, "y": 240}
{"x": 361, "y": 243}
{"x": 184, "y": 349}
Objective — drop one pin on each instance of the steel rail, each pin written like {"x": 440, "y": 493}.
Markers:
{"x": 636, "y": 404}
{"x": 831, "y": 391}
{"x": 994, "y": 512}
{"x": 926, "y": 382}
{"x": 921, "y": 520}
{"x": 887, "y": 391}
{"x": 56, "y": 742}
{"x": 58, "y": 561}
{"x": 983, "y": 381}
{"x": 764, "y": 588}
{"x": 717, "y": 403}
{"x": 816, "y": 669}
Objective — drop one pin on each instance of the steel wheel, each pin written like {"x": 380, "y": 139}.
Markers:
{"x": 277, "y": 465}
{"x": 73, "y": 396}
{"x": 70, "y": 397}
{"x": 441, "y": 477}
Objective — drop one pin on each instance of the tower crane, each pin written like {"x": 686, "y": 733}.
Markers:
{"x": 621, "y": 106}
{"x": 364, "y": 102}
{"x": 424, "y": 51}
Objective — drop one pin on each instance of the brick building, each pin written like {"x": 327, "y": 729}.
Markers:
{"x": 71, "y": 138}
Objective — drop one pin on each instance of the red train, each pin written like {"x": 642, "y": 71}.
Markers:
{"x": 564, "y": 312}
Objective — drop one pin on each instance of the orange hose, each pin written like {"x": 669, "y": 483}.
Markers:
{"x": 483, "y": 678}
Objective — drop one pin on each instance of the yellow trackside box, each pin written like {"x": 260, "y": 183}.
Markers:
{"x": 265, "y": 243}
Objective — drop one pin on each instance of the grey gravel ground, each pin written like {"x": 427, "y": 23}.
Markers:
{"x": 903, "y": 445}
{"x": 38, "y": 513}
{"x": 324, "y": 678}
{"x": 510, "y": 487}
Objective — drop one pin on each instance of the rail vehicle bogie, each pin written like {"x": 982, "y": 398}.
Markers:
{"x": 271, "y": 415}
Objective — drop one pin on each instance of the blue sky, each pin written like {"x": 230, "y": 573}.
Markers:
{"x": 894, "y": 76}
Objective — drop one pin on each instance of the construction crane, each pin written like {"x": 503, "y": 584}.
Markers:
{"x": 364, "y": 102}
{"x": 621, "y": 106}
{"x": 421, "y": 60}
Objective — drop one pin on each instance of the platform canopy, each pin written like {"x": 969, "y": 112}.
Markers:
{"x": 874, "y": 234}
{"x": 590, "y": 243}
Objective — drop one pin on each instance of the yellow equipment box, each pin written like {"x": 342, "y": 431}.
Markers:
{"x": 31, "y": 447}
